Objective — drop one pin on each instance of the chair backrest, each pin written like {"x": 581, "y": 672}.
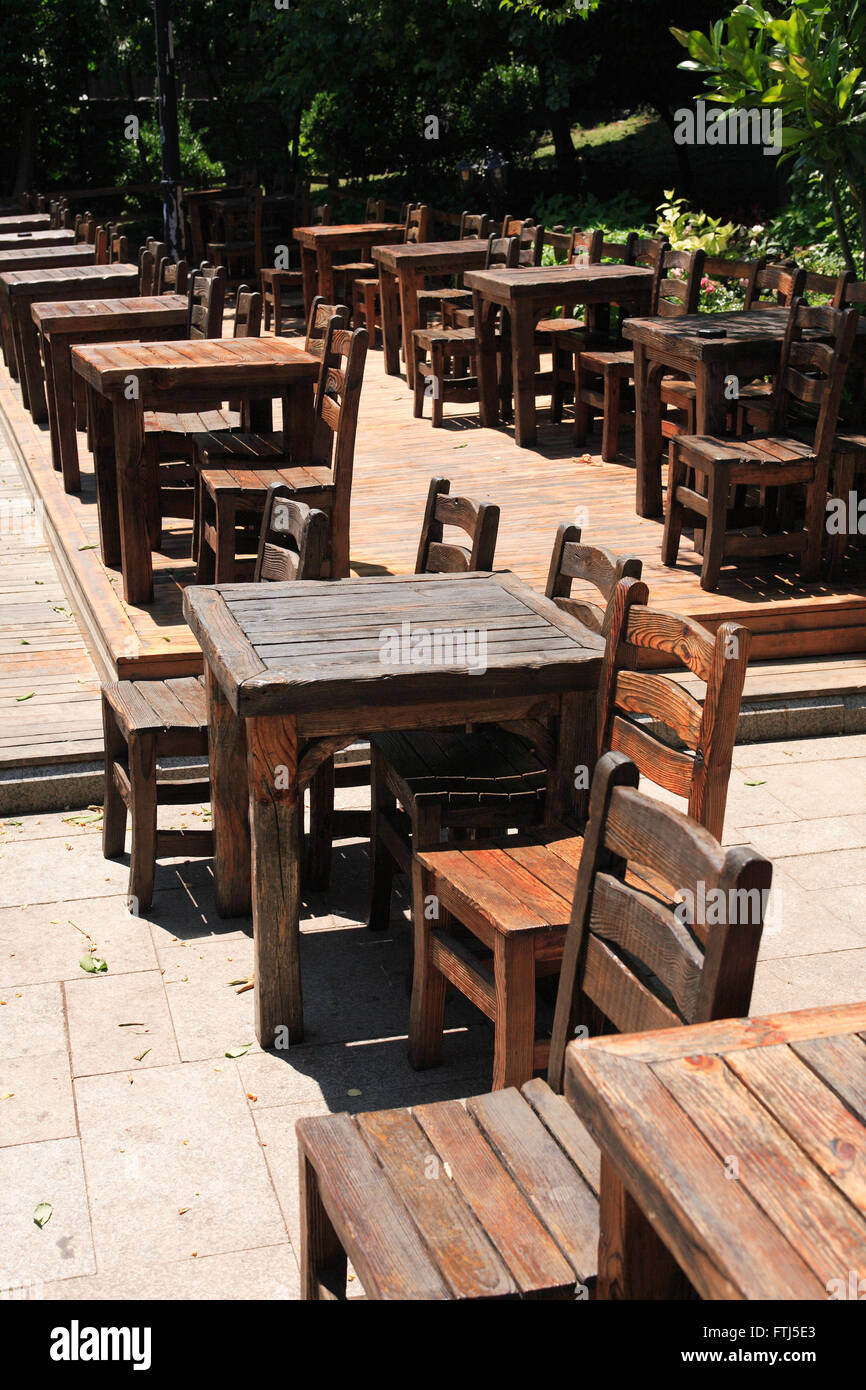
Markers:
{"x": 622, "y": 252}
{"x": 473, "y": 224}
{"x": 644, "y": 962}
{"x": 585, "y": 247}
{"x": 101, "y": 242}
{"x": 502, "y": 252}
{"x": 320, "y": 216}
{"x": 707, "y": 730}
{"x": 374, "y": 210}
{"x": 293, "y": 540}
{"x": 512, "y": 226}
{"x": 118, "y": 248}
{"x": 588, "y": 564}
{"x": 149, "y": 258}
{"x": 338, "y": 395}
{"x": 812, "y": 373}
{"x": 205, "y": 302}
{"x": 417, "y": 227}
{"x": 477, "y": 520}
{"x": 559, "y": 238}
{"x": 530, "y": 244}
{"x": 783, "y": 283}
{"x": 848, "y": 291}
{"x": 318, "y": 322}
{"x": 678, "y": 293}
{"x": 85, "y": 227}
{"x": 248, "y": 313}
{"x": 171, "y": 276}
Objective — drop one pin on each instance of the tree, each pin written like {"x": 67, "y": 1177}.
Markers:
{"x": 808, "y": 65}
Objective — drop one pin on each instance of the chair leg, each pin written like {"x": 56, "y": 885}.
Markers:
{"x": 321, "y": 826}
{"x": 150, "y": 475}
{"x": 382, "y": 867}
{"x": 114, "y": 806}
{"x": 420, "y": 384}
{"x": 556, "y": 392}
{"x": 673, "y": 508}
{"x": 142, "y": 781}
{"x": 581, "y": 409}
{"x": 427, "y": 1010}
{"x": 610, "y": 422}
{"x": 438, "y": 380}
{"x": 514, "y": 1040}
{"x": 226, "y": 508}
{"x": 323, "y": 1259}
{"x": 714, "y": 542}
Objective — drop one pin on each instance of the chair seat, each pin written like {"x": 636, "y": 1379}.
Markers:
{"x": 167, "y": 422}
{"x": 271, "y": 276}
{"x": 158, "y": 706}
{"x": 616, "y": 360}
{"x": 488, "y": 767}
{"x": 251, "y": 462}
{"x": 525, "y": 884}
{"x": 559, "y": 325}
{"x": 761, "y": 454}
{"x": 448, "y": 337}
{"x": 849, "y": 444}
{"x": 356, "y": 268}
{"x": 453, "y": 295}
{"x": 514, "y": 1212}
{"x": 253, "y": 483}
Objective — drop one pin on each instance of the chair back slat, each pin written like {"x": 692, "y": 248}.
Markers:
{"x": 640, "y": 959}
{"x": 502, "y": 252}
{"x": 585, "y": 247}
{"x": 723, "y": 268}
{"x": 590, "y": 564}
{"x": 205, "y": 302}
{"x": 708, "y": 729}
{"x": 849, "y": 291}
{"x": 418, "y": 220}
{"x": 293, "y": 539}
{"x": 513, "y": 226}
{"x": 172, "y": 277}
{"x": 678, "y": 294}
{"x": 319, "y": 319}
{"x": 477, "y": 520}
{"x": 248, "y": 313}
{"x": 621, "y": 251}
{"x": 473, "y": 224}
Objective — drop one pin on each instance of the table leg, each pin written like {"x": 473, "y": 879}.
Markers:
{"x": 389, "y": 300}
{"x": 276, "y": 825}
{"x": 6, "y": 340}
{"x": 47, "y": 356}
{"x": 136, "y": 558}
{"x": 485, "y": 360}
{"x": 299, "y": 420}
{"x": 648, "y": 433}
{"x": 19, "y": 353}
{"x": 409, "y": 285}
{"x": 325, "y": 273}
{"x": 308, "y": 273}
{"x": 632, "y": 1260}
{"x": 105, "y": 471}
{"x": 230, "y": 804}
{"x": 523, "y": 372}
{"x": 62, "y": 390}
{"x": 576, "y": 756}
{"x": 32, "y": 366}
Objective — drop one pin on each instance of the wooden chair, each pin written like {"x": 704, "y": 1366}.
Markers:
{"x": 602, "y": 374}
{"x": 781, "y": 283}
{"x": 364, "y": 278}
{"x": 449, "y": 374}
{"x": 811, "y": 374}
{"x": 374, "y": 210}
{"x": 489, "y": 779}
{"x": 596, "y": 329}
{"x": 230, "y": 505}
{"x": 149, "y": 258}
{"x": 432, "y": 301}
{"x": 240, "y": 247}
{"x": 281, "y": 287}
{"x": 148, "y": 721}
{"x": 473, "y": 885}
{"x": 515, "y": 1209}
{"x": 172, "y": 277}
{"x": 101, "y": 239}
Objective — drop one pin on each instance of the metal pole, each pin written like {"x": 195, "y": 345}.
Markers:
{"x": 168, "y": 136}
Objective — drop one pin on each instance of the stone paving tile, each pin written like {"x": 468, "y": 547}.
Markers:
{"x": 99, "y": 1009}
{"x": 806, "y": 750}
{"x": 785, "y": 839}
{"x": 31, "y": 1021}
{"x": 208, "y": 1014}
{"x": 178, "y": 1137}
{"x": 807, "y": 982}
{"x": 804, "y": 923}
{"x": 49, "y": 1172}
{"x": 189, "y": 914}
{"x": 46, "y": 941}
{"x": 36, "y": 1099}
{"x": 808, "y": 790}
{"x": 269, "y": 1272}
{"x": 66, "y": 825}
{"x": 843, "y": 869}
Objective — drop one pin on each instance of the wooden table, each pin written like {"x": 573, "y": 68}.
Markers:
{"x": 734, "y": 1152}
{"x": 170, "y": 376}
{"x": 25, "y": 222}
{"x": 53, "y": 236}
{"x": 318, "y": 245}
{"x": 528, "y": 295}
{"x": 20, "y": 289}
{"x": 294, "y": 674}
{"x": 27, "y": 257}
{"x": 750, "y": 348}
{"x": 402, "y": 270}
{"x": 61, "y": 325}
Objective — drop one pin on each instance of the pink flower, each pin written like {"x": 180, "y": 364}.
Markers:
{"x": 707, "y": 284}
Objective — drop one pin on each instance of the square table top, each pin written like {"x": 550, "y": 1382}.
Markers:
{"x": 419, "y": 254}
{"x": 50, "y": 236}
{"x": 347, "y": 233}
{"x": 195, "y": 364}
{"x": 338, "y": 645}
{"x": 504, "y": 286}
{"x": 57, "y": 278}
{"x": 743, "y": 327}
{"x": 95, "y": 315}
{"x": 785, "y": 1096}
{"x": 25, "y": 222}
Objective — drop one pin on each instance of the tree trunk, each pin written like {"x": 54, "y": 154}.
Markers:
{"x": 684, "y": 164}
{"x": 560, "y": 129}
{"x": 839, "y": 220}
{"x": 26, "y": 151}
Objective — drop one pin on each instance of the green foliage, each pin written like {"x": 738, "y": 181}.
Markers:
{"x": 692, "y": 231}
{"x": 140, "y": 160}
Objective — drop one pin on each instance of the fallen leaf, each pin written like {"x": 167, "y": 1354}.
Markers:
{"x": 19, "y": 698}
{"x": 42, "y": 1214}
{"x": 94, "y": 965}
{"x": 141, "y": 1056}
{"x": 354, "y": 1092}
{"x": 756, "y": 784}
{"x": 240, "y": 1051}
{"x": 181, "y": 1210}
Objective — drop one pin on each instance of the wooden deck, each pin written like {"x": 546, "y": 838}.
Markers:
{"x": 536, "y": 488}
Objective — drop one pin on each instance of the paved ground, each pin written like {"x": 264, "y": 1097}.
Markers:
{"x": 170, "y": 1167}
